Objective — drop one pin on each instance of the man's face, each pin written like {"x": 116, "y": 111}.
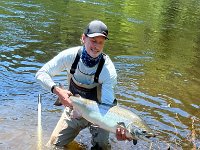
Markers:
{"x": 94, "y": 46}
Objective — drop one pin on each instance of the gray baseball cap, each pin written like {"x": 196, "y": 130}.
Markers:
{"x": 96, "y": 28}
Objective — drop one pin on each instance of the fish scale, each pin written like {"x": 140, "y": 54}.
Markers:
{"x": 109, "y": 117}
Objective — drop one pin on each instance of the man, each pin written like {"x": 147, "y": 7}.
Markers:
{"x": 92, "y": 75}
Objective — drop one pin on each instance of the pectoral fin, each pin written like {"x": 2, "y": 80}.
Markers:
{"x": 134, "y": 141}
{"x": 57, "y": 102}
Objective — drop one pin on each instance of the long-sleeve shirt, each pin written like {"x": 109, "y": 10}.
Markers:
{"x": 85, "y": 75}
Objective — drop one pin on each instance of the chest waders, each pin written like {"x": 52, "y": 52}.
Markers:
{"x": 92, "y": 91}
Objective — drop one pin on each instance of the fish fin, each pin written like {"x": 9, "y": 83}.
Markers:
{"x": 114, "y": 102}
{"x": 57, "y": 102}
{"x": 121, "y": 124}
{"x": 134, "y": 141}
{"x": 75, "y": 114}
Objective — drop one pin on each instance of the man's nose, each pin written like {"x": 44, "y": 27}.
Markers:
{"x": 97, "y": 45}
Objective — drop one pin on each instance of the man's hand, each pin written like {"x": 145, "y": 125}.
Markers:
{"x": 121, "y": 134}
{"x": 63, "y": 96}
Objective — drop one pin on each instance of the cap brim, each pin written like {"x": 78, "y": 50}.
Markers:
{"x": 97, "y": 34}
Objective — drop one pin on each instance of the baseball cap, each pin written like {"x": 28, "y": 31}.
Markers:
{"x": 96, "y": 28}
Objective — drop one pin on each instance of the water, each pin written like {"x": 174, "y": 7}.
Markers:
{"x": 154, "y": 46}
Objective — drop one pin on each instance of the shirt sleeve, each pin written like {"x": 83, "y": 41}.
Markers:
{"x": 56, "y": 65}
{"x": 108, "y": 78}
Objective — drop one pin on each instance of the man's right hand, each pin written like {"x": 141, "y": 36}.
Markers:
{"x": 63, "y": 95}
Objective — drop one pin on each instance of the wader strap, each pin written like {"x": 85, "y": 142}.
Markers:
{"x": 99, "y": 68}
{"x": 75, "y": 63}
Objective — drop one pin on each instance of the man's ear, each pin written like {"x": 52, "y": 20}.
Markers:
{"x": 83, "y": 37}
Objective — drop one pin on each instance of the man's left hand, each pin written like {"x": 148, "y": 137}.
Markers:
{"x": 121, "y": 134}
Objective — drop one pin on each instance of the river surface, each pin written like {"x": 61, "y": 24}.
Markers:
{"x": 155, "y": 46}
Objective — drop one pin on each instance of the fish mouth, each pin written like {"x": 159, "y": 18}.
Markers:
{"x": 149, "y": 135}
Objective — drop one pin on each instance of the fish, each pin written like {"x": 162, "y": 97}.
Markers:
{"x": 110, "y": 117}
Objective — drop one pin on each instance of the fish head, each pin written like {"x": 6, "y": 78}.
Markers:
{"x": 140, "y": 131}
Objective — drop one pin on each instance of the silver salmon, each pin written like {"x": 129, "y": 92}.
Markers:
{"x": 110, "y": 117}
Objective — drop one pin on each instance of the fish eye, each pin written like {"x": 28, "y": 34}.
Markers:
{"x": 144, "y": 131}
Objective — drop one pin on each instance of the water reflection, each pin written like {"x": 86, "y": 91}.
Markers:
{"x": 155, "y": 48}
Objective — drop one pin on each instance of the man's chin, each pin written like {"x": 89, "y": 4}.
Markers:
{"x": 94, "y": 55}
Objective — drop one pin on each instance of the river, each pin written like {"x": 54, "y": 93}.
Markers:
{"x": 155, "y": 47}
